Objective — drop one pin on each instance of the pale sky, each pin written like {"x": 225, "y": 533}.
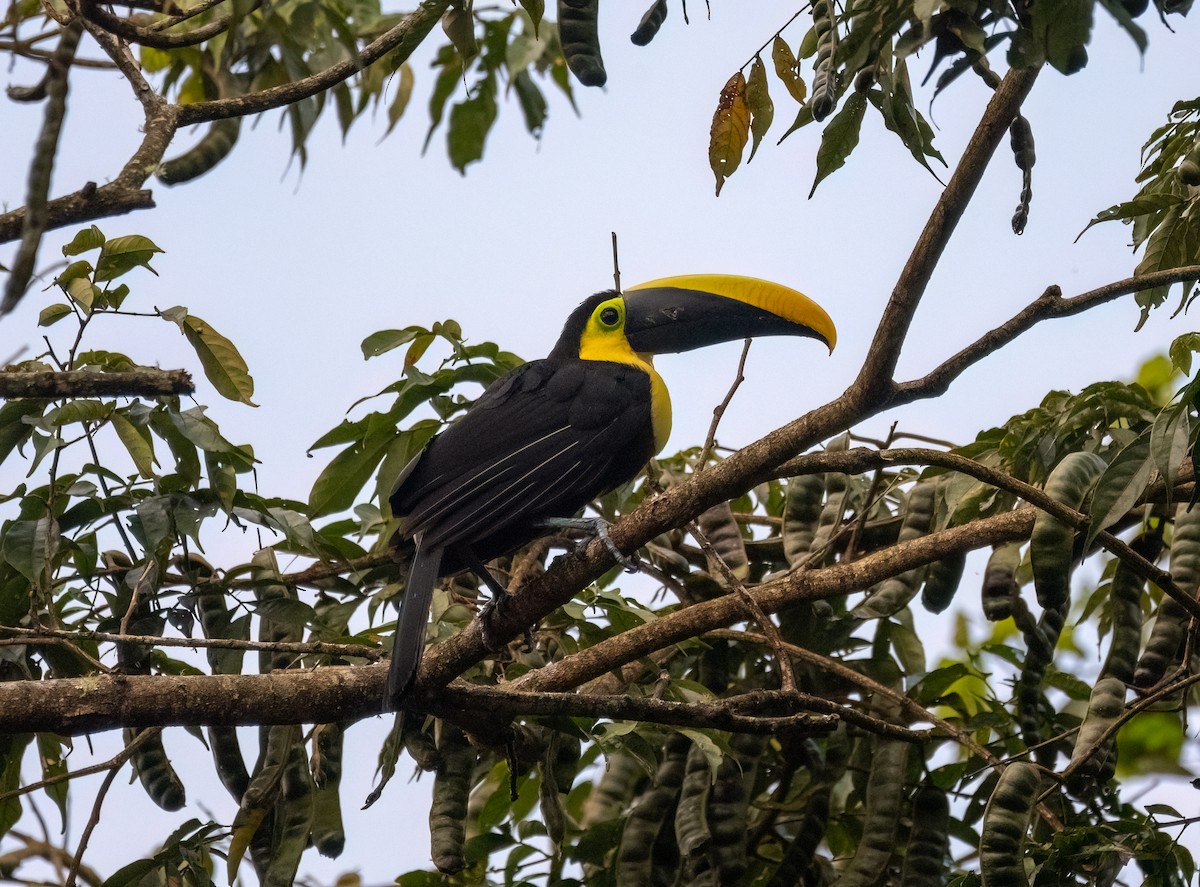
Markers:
{"x": 298, "y": 269}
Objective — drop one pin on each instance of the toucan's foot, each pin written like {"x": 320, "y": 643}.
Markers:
{"x": 492, "y": 610}
{"x": 487, "y": 614}
{"x": 593, "y": 526}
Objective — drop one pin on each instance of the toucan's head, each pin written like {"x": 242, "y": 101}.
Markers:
{"x": 681, "y": 313}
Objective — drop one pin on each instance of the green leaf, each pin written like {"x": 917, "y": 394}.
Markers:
{"x": 51, "y": 314}
{"x": 762, "y": 109}
{"x": 470, "y": 122}
{"x": 400, "y": 101}
{"x": 1181, "y": 351}
{"x": 28, "y": 545}
{"x": 1119, "y": 487}
{"x": 137, "y": 442}
{"x": 1142, "y": 205}
{"x": 54, "y": 765}
{"x": 840, "y": 138}
{"x": 1174, "y": 244}
{"x": 347, "y": 473}
{"x": 81, "y": 291}
{"x": 122, "y": 254}
{"x": 14, "y": 429}
{"x": 535, "y": 9}
{"x": 1169, "y": 441}
{"x": 1064, "y": 28}
{"x": 385, "y": 340}
{"x": 532, "y": 102}
{"x": 85, "y": 240}
{"x": 222, "y": 363}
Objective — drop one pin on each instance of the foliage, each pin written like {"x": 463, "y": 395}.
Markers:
{"x": 1006, "y": 760}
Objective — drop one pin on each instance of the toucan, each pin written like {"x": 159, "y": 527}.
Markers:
{"x": 550, "y": 436}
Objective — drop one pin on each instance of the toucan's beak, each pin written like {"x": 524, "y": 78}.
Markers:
{"x": 681, "y": 313}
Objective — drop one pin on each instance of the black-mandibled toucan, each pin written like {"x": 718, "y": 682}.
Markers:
{"x": 550, "y": 436}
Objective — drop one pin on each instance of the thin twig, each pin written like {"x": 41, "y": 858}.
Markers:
{"x": 92, "y": 822}
{"x": 616, "y": 264}
{"x": 719, "y": 410}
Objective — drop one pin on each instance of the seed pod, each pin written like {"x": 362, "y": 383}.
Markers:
{"x": 801, "y": 509}
{"x": 1051, "y": 543}
{"x": 293, "y": 817}
{"x": 942, "y": 581}
{"x": 1125, "y": 606}
{"x": 651, "y": 815}
{"x": 155, "y": 772}
{"x": 1005, "y": 822}
{"x": 579, "y": 33}
{"x": 1000, "y": 587}
{"x": 328, "y": 832}
{"x": 611, "y": 794}
{"x": 928, "y": 839}
{"x": 884, "y": 803}
{"x": 725, "y": 535}
{"x": 213, "y": 147}
{"x": 650, "y": 23}
{"x": 691, "y": 817}
{"x": 254, "y": 822}
{"x": 893, "y": 594}
{"x": 1021, "y": 138}
{"x": 799, "y": 858}
{"x": 824, "y": 89}
{"x": 448, "y": 812}
{"x": 728, "y": 807}
{"x": 837, "y": 494}
{"x": 1104, "y": 708}
{"x": 1166, "y": 637}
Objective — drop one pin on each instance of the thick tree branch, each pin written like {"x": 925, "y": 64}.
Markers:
{"x": 84, "y": 383}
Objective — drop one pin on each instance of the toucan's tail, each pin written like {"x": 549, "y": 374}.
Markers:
{"x": 409, "y": 641}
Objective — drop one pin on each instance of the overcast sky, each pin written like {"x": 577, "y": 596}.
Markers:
{"x": 298, "y": 268}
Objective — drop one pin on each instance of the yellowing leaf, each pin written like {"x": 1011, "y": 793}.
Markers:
{"x": 222, "y": 363}
{"x": 139, "y": 447}
{"x": 730, "y": 130}
{"x": 403, "y": 94}
{"x": 787, "y": 69}
{"x": 762, "y": 109}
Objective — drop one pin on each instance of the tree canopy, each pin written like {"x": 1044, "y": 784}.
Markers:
{"x": 764, "y": 705}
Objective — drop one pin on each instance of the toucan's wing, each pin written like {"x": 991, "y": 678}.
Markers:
{"x": 541, "y": 442}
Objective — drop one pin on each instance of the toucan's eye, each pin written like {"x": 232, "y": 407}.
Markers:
{"x": 609, "y": 316}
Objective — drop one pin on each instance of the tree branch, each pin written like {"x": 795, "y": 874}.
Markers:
{"x": 50, "y": 385}
{"x": 405, "y": 36}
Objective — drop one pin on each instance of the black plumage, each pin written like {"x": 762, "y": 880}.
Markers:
{"x": 541, "y": 442}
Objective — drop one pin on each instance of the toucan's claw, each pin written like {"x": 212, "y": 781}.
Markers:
{"x": 592, "y": 526}
{"x": 489, "y": 612}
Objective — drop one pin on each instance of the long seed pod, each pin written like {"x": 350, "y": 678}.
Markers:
{"x": 1051, "y": 555}
{"x": 884, "y": 803}
{"x": 928, "y": 839}
{"x": 448, "y": 812}
{"x": 216, "y": 621}
{"x": 612, "y": 792}
{"x": 155, "y": 772}
{"x": 691, "y": 817}
{"x": 1000, "y": 588}
{"x": 728, "y": 807}
{"x": 799, "y": 858}
{"x": 824, "y": 88}
{"x": 1005, "y": 822}
{"x": 942, "y": 581}
{"x": 1021, "y": 138}
{"x": 801, "y": 510}
{"x": 721, "y": 529}
{"x": 893, "y": 594}
{"x": 837, "y": 493}
{"x": 213, "y": 147}
{"x": 253, "y": 824}
{"x": 293, "y": 818}
{"x": 328, "y": 832}
{"x": 651, "y": 815}
{"x": 650, "y": 23}
{"x": 579, "y": 33}
{"x": 1104, "y": 708}
{"x": 1163, "y": 648}
{"x": 1125, "y": 605}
